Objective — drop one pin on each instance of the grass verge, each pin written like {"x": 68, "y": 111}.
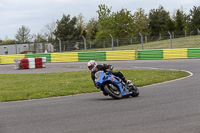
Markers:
{"x": 14, "y": 87}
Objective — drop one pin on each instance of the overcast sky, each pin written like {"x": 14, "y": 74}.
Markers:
{"x": 36, "y": 13}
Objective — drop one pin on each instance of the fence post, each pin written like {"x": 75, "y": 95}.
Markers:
{"x": 160, "y": 37}
{"x": 141, "y": 39}
{"x": 131, "y": 40}
{"x": 37, "y": 47}
{"x": 170, "y": 38}
{"x": 112, "y": 42}
{"x": 59, "y": 44}
{"x": 15, "y": 47}
{"x": 84, "y": 43}
{"x": 90, "y": 44}
{"x": 146, "y": 39}
{"x": 185, "y": 33}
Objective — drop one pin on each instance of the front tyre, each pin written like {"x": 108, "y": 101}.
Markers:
{"x": 135, "y": 91}
{"x": 112, "y": 91}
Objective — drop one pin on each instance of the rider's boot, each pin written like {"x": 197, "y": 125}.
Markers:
{"x": 126, "y": 81}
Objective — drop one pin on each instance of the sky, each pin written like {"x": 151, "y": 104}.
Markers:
{"x": 34, "y": 14}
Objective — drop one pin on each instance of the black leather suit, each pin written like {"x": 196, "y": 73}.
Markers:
{"x": 108, "y": 69}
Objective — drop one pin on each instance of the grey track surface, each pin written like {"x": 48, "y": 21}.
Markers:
{"x": 171, "y": 107}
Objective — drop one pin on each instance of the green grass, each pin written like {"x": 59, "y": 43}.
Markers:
{"x": 14, "y": 87}
{"x": 183, "y": 42}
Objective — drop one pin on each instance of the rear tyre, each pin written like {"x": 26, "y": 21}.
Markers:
{"x": 135, "y": 91}
{"x": 112, "y": 91}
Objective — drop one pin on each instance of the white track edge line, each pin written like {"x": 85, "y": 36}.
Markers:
{"x": 190, "y": 75}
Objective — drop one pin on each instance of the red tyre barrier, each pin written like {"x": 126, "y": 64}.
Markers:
{"x": 38, "y": 59}
{"x": 24, "y": 63}
{"x": 24, "y": 60}
{"x": 38, "y": 62}
{"x": 39, "y": 66}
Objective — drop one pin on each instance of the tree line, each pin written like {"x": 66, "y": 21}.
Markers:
{"x": 120, "y": 24}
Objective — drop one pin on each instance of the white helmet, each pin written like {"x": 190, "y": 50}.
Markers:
{"x": 92, "y": 65}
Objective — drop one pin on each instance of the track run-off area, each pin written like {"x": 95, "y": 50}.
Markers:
{"x": 169, "y": 107}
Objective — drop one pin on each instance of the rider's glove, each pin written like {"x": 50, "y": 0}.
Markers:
{"x": 108, "y": 71}
{"x": 97, "y": 85}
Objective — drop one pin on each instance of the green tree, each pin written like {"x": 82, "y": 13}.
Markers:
{"x": 65, "y": 29}
{"x": 119, "y": 24}
{"x": 7, "y": 41}
{"x": 92, "y": 28}
{"x": 39, "y": 37}
{"x": 80, "y": 27}
{"x": 23, "y": 34}
{"x": 106, "y": 22}
{"x": 141, "y": 23}
{"x": 170, "y": 25}
{"x": 194, "y": 22}
{"x": 48, "y": 30}
{"x": 158, "y": 21}
{"x": 180, "y": 22}
{"x": 124, "y": 24}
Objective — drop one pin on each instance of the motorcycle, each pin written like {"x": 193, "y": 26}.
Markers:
{"x": 114, "y": 86}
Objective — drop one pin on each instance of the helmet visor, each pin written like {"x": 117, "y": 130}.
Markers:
{"x": 90, "y": 67}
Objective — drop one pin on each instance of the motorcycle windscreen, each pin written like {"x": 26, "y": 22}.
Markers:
{"x": 97, "y": 74}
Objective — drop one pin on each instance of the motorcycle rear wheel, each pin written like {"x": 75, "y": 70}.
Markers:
{"x": 112, "y": 91}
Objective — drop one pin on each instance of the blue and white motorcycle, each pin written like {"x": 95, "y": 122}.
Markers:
{"x": 114, "y": 86}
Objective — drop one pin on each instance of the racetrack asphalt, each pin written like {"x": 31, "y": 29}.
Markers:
{"x": 170, "y": 107}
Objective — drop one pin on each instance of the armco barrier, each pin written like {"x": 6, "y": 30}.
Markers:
{"x": 120, "y": 55}
{"x": 149, "y": 54}
{"x": 174, "y": 53}
{"x": 9, "y": 59}
{"x": 64, "y": 57}
{"x": 109, "y": 55}
{"x": 193, "y": 52}
{"x": 86, "y": 56}
{"x": 48, "y": 56}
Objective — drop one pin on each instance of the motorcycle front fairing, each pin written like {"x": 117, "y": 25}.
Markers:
{"x": 100, "y": 79}
{"x": 117, "y": 81}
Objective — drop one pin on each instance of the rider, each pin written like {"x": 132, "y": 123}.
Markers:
{"x": 93, "y": 67}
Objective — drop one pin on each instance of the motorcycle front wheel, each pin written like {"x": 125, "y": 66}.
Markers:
{"x": 135, "y": 91}
{"x": 112, "y": 91}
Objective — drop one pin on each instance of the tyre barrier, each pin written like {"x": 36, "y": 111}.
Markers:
{"x": 28, "y": 63}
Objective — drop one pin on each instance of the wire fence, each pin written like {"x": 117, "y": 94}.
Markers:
{"x": 133, "y": 43}
{"x": 162, "y": 41}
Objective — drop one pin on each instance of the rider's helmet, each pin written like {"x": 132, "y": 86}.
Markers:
{"x": 92, "y": 65}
